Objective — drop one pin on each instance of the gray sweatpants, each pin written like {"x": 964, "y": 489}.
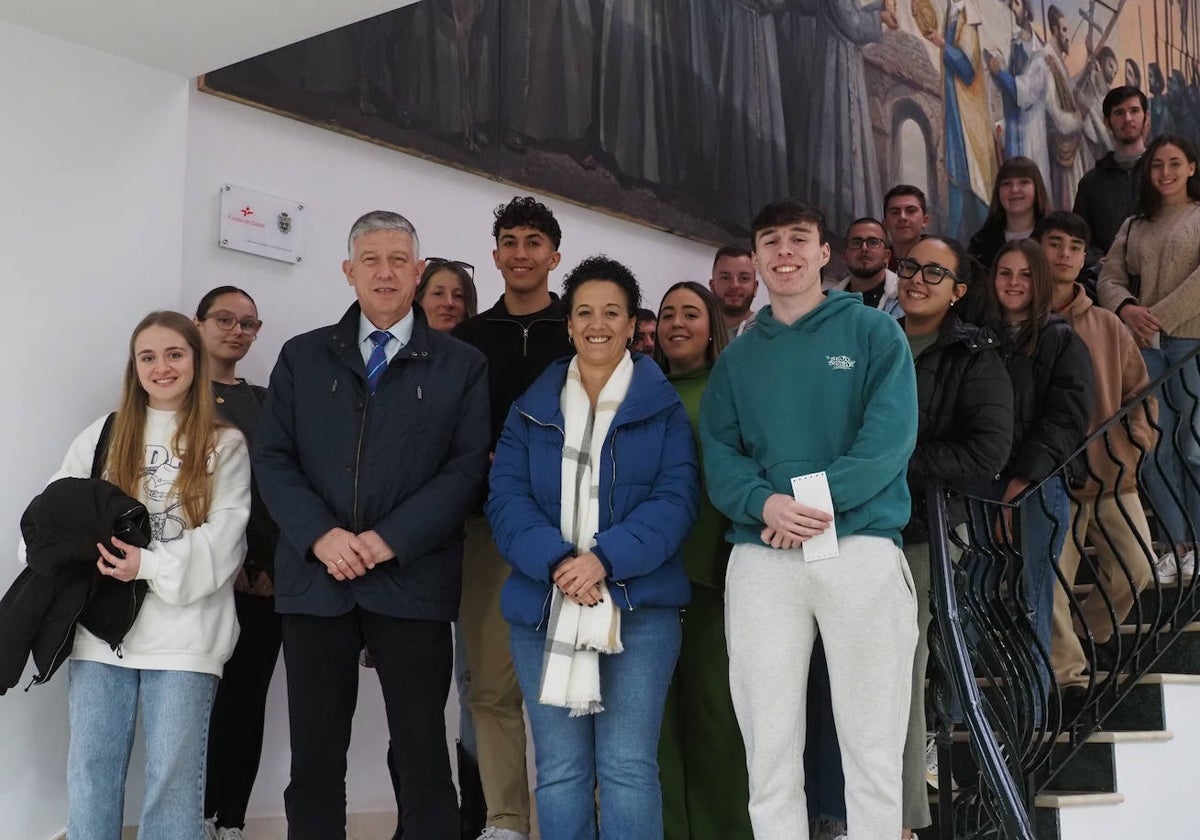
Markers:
{"x": 863, "y": 602}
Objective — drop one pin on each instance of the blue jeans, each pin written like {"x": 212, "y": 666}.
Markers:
{"x": 1165, "y": 471}
{"x": 1045, "y": 518}
{"x": 104, "y": 702}
{"x": 618, "y": 747}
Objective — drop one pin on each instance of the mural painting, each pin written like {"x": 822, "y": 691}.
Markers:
{"x": 689, "y": 115}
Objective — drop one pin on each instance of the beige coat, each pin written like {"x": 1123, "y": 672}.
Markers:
{"x": 1120, "y": 374}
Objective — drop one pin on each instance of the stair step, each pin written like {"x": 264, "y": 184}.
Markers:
{"x": 1071, "y": 799}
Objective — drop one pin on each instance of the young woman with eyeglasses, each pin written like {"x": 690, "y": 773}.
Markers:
{"x": 446, "y": 293}
{"x": 964, "y": 432}
{"x": 228, "y": 321}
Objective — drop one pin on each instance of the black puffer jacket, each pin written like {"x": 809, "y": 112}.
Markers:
{"x": 1052, "y": 401}
{"x": 965, "y": 415}
{"x": 1106, "y": 196}
{"x": 61, "y": 585}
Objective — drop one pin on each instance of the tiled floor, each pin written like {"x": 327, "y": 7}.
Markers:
{"x": 377, "y": 826}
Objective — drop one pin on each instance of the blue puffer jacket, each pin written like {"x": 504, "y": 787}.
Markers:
{"x": 649, "y": 491}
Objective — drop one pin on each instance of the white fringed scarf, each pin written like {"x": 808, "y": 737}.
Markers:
{"x": 576, "y": 636}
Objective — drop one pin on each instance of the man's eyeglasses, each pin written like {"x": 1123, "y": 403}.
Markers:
{"x": 227, "y": 320}
{"x": 871, "y": 242}
{"x": 931, "y": 273}
{"x": 465, "y": 266}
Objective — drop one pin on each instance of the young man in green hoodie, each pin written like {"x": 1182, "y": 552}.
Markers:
{"x": 821, "y": 384}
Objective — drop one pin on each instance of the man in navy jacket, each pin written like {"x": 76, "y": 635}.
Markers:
{"x": 372, "y": 449}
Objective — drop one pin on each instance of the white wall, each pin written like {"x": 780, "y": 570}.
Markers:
{"x": 92, "y": 163}
{"x": 338, "y": 178}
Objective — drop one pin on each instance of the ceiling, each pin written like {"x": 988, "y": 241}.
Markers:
{"x": 189, "y": 38}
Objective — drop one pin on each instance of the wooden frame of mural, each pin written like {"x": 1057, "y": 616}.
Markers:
{"x": 689, "y": 115}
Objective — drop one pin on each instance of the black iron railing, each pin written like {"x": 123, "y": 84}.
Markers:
{"x": 1026, "y": 698}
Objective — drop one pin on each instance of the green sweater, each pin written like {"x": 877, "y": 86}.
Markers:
{"x": 834, "y": 391}
{"x": 705, "y": 552}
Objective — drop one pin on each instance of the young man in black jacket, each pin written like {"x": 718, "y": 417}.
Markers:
{"x": 523, "y": 333}
{"x": 1107, "y": 194}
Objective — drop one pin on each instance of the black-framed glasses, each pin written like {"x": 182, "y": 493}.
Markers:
{"x": 872, "y": 242}
{"x": 931, "y": 273}
{"x": 465, "y": 266}
{"x": 227, "y": 320}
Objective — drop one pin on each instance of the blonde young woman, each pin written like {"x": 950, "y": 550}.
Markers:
{"x": 193, "y": 475}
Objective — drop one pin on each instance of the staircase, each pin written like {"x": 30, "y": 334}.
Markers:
{"x": 1139, "y": 770}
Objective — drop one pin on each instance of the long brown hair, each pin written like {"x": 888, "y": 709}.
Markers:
{"x": 196, "y": 426}
{"x": 1018, "y": 167}
{"x": 718, "y": 338}
{"x": 1150, "y": 200}
{"x": 1041, "y": 291}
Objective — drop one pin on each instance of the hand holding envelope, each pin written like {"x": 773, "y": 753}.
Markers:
{"x": 796, "y": 522}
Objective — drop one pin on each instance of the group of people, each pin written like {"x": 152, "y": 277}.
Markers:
{"x": 642, "y": 550}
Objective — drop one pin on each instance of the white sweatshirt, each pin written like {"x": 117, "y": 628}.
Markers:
{"x": 188, "y": 621}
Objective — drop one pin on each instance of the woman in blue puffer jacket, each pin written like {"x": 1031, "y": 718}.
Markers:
{"x": 593, "y": 489}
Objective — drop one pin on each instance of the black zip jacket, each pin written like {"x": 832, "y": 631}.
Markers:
{"x": 1052, "y": 401}
{"x": 518, "y": 348}
{"x": 964, "y": 416}
{"x": 61, "y": 586}
{"x": 1106, "y": 196}
{"x": 407, "y": 462}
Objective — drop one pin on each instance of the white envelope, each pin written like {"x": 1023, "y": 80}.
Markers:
{"x": 813, "y": 490}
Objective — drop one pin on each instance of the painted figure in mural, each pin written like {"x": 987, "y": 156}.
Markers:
{"x": 1133, "y": 74}
{"x": 444, "y": 54}
{"x": 750, "y": 166}
{"x": 562, "y": 70}
{"x": 1097, "y": 81}
{"x": 697, "y": 30}
{"x": 1069, "y": 158}
{"x": 635, "y": 90}
{"x": 1161, "y": 121}
{"x": 1179, "y": 107}
{"x": 1024, "y": 115}
{"x": 831, "y": 148}
{"x": 970, "y": 149}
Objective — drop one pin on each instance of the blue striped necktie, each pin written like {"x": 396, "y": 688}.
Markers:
{"x": 378, "y": 362}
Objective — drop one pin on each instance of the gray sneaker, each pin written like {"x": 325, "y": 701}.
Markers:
{"x": 210, "y": 829}
{"x": 230, "y": 834}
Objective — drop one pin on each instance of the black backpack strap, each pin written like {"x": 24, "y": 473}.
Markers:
{"x": 101, "y": 455}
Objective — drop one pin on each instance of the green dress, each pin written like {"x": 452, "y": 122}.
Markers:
{"x": 701, "y": 757}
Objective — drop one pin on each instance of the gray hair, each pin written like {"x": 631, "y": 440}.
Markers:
{"x": 382, "y": 220}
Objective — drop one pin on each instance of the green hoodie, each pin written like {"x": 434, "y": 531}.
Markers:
{"x": 835, "y": 391}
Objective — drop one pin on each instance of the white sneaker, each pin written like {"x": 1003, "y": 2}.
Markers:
{"x": 931, "y": 766}
{"x": 1187, "y": 566}
{"x": 210, "y": 829}
{"x": 1168, "y": 570}
{"x": 931, "y": 762}
{"x": 230, "y": 834}
{"x": 492, "y": 832}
